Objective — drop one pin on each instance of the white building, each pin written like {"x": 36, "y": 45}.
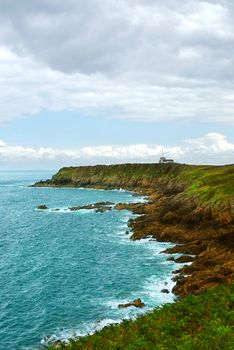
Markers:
{"x": 165, "y": 160}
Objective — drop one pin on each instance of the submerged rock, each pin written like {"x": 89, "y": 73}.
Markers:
{"x": 137, "y": 303}
{"x": 42, "y": 207}
{"x": 165, "y": 291}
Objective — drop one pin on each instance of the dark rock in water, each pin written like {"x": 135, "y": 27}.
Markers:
{"x": 165, "y": 291}
{"x": 102, "y": 209}
{"x": 171, "y": 258}
{"x": 42, "y": 207}
{"x": 99, "y": 207}
{"x": 127, "y": 232}
{"x": 137, "y": 303}
{"x": 104, "y": 203}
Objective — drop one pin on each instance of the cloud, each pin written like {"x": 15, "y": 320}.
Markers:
{"x": 133, "y": 59}
{"x": 213, "y": 148}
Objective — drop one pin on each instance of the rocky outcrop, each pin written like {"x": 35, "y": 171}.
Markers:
{"x": 209, "y": 240}
{"x": 42, "y": 207}
{"x": 99, "y": 207}
{"x": 137, "y": 303}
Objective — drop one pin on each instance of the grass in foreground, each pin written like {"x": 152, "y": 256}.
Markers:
{"x": 203, "y": 322}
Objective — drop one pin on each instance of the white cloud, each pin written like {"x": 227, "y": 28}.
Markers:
{"x": 212, "y": 144}
{"x": 30, "y": 86}
{"x": 138, "y": 60}
{"x": 211, "y": 148}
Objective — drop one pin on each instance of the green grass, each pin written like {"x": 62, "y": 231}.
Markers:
{"x": 211, "y": 185}
{"x": 203, "y": 322}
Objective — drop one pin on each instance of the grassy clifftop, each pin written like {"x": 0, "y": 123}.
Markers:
{"x": 211, "y": 184}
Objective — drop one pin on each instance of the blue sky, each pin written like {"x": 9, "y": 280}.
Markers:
{"x": 115, "y": 81}
{"x": 74, "y": 130}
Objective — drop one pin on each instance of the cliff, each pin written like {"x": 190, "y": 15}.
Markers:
{"x": 189, "y": 205}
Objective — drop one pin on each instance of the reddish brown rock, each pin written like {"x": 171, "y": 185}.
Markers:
{"x": 184, "y": 259}
{"x": 137, "y": 303}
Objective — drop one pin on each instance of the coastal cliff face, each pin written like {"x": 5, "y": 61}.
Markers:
{"x": 189, "y": 205}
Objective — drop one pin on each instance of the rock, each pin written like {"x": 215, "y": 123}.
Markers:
{"x": 137, "y": 303}
{"x": 104, "y": 203}
{"x": 102, "y": 209}
{"x": 99, "y": 207}
{"x": 42, "y": 207}
{"x": 170, "y": 218}
{"x": 184, "y": 259}
{"x": 165, "y": 291}
{"x": 171, "y": 258}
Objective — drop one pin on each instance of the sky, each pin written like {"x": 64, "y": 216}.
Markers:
{"x": 112, "y": 81}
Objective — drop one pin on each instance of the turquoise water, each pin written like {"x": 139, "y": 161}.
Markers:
{"x": 63, "y": 273}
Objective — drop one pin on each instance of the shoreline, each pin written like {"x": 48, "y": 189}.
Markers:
{"x": 167, "y": 282}
{"x": 198, "y": 226}
{"x": 192, "y": 251}
{"x": 189, "y": 206}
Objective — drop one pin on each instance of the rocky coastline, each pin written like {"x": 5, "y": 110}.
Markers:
{"x": 192, "y": 206}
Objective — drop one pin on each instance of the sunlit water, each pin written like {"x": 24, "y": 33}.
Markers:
{"x": 63, "y": 274}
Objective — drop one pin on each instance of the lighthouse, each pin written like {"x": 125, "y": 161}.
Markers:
{"x": 164, "y": 159}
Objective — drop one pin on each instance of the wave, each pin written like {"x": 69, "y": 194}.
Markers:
{"x": 152, "y": 290}
{"x": 65, "y": 335}
{"x": 140, "y": 199}
{"x": 66, "y": 210}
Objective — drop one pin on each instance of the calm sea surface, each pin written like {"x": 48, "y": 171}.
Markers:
{"x": 64, "y": 273}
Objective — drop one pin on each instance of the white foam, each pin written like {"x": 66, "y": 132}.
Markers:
{"x": 139, "y": 199}
{"x": 66, "y": 210}
{"x": 151, "y": 291}
{"x": 65, "y": 335}
{"x": 119, "y": 190}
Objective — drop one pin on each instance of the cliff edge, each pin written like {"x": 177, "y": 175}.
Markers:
{"x": 190, "y": 205}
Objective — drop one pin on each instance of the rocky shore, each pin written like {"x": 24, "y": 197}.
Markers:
{"x": 192, "y": 206}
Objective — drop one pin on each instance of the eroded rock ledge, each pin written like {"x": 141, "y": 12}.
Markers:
{"x": 192, "y": 206}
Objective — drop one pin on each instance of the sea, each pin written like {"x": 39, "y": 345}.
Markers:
{"x": 63, "y": 273}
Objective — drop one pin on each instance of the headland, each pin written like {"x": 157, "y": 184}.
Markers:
{"x": 192, "y": 206}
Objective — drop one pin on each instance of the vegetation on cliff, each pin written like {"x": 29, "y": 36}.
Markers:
{"x": 198, "y": 322}
{"x": 212, "y": 184}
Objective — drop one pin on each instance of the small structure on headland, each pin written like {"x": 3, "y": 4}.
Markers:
{"x": 164, "y": 159}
